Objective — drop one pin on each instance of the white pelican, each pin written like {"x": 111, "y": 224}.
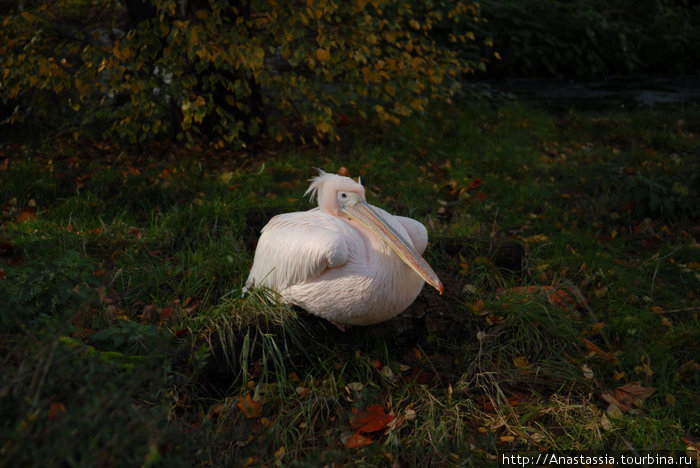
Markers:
{"x": 346, "y": 261}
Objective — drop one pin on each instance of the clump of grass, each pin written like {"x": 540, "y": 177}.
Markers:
{"x": 255, "y": 337}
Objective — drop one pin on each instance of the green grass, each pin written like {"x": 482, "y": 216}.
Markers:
{"x": 125, "y": 340}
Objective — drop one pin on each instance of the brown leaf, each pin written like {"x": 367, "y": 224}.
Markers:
{"x": 249, "y": 407}
{"x": 612, "y": 401}
{"x": 559, "y": 298}
{"x": 216, "y": 410}
{"x": 356, "y": 440}
{"x": 633, "y": 394}
{"x": 489, "y": 404}
{"x": 56, "y": 410}
{"x": 25, "y": 216}
{"x": 595, "y": 349}
{"x": 562, "y": 299}
{"x": 475, "y": 183}
{"x": 372, "y": 419}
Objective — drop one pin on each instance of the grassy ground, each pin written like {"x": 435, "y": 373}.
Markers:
{"x": 125, "y": 342}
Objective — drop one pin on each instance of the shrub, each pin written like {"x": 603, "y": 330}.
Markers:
{"x": 232, "y": 69}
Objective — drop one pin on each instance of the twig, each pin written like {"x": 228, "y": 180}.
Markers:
{"x": 582, "y": 300}
{"x": 675, "y": 311}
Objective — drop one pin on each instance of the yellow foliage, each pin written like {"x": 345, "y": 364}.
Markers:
{"x": 323, "y": 55}
{"x": 383, "y": 65}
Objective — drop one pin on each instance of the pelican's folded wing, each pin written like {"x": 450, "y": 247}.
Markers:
{"x": 416, "y": 231}
{"x": 298, "y": 247}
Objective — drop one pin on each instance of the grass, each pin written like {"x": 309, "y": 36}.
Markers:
{"x": 125, "y": 340}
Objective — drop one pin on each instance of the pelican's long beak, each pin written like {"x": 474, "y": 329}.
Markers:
{"x": 363, "y": 212}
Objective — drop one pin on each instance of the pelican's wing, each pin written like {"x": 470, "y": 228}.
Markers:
{"x": 412, "y": 230}
{"x": 416, "y": 231}
{"x": 298, "y": 247}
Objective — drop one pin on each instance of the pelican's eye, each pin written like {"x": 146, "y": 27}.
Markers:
{"x": 343, "y": 195}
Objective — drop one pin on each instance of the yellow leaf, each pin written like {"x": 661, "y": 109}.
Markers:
{"x": 536, "y": 238}
{"x": 226, "y": 177}
{"x": 279, "y": 455}
{"x": 323, "y": 55}
{"x": 323, "y": 127}
{"x": 521, "y": 362}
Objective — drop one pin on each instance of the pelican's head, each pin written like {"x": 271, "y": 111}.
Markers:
{"x": 343, "y": 197}
{"x": 329, "y": 189}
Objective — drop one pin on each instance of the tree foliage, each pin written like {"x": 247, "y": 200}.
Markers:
{"x": 232, "y": 69}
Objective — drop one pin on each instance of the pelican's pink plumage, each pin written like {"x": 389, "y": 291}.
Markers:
{"x": 346, "y": 261}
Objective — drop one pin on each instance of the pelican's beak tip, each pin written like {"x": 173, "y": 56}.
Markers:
{"x": 440, "y": 288}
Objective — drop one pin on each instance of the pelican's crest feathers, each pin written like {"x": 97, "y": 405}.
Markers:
{"x": 316, "y": 183}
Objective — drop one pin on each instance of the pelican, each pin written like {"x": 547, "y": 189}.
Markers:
{"x": 346, "y": 261}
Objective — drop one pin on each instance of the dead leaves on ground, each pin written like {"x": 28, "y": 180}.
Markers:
{"x": 560, "y": 297}
{"x": 368, "y": 424}
{"x": 249, "y": 407}
{"x": 625, "y": 398}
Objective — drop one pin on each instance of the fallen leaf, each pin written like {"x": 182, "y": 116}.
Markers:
{"x": 475, "y": 183}
{"x": 216, "y": 410}
{"x": 562, "y": 299}
{"x": 56, "y": 410}
{"x": 226, "y": 177}
{"x": 279, "y": 455}
{"x": 521, "y": 362}
{"x": 249, "y": 407}
{"x": 613, "y": 411}
{"x": 535, "y": 238}
{"x": 595, "y": 350}
{"x": 692, "y": 444}
{"x": 355, "y": 386}
{"x": 356, "y": 440}
{"x": 489, "y": 404}
{"x": 612, "y": 401}
{"x": 559, "y": 298}
{"x": 372, "y": 419}
{"x": 25, "y": 216}
{"x": 633, "y": 394}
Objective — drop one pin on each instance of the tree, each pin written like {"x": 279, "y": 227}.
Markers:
{"x": 231, "y": 69}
